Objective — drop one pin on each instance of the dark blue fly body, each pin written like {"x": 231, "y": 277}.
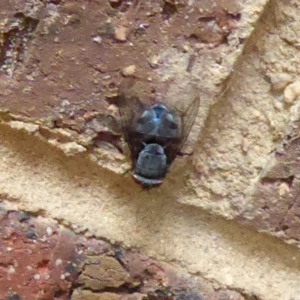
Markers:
{"x": 157, "y": 121}
{"x": 154, "y": 134}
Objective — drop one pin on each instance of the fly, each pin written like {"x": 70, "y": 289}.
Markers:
{"x": 154, "y": 133}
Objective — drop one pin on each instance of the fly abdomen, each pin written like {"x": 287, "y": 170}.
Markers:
{"x": 152, "y": 162}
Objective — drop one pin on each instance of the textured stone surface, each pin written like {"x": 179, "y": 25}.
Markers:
{"x": 42, "y": 260}
{"x": 276, "y": 199}
{"x": 62, "y": 156}
{"x": 204, "y": 246}
{"x": 71, "y": 53}
{"x": 64, "y": 59}
{"x": 103, "y": 272}
{"x": 38, "y": 259}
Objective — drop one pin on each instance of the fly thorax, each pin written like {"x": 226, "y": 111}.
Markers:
{"x": 168, "y": 126}
{"x": 147, "y": 122}
{"x": 157, "y": 121}
{"x": 159, "y": 110}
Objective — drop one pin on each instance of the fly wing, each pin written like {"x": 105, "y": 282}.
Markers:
{"x": 129, "y": 105}
{"x": 187, "y": 119}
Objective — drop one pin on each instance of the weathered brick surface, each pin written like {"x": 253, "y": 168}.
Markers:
{"x": 276, "y": 201}
{"x": 42, "y": 260}
{"x": 61, "y": 63}
{"x": 39, "y": 260}
{"x": 67, "y": 55}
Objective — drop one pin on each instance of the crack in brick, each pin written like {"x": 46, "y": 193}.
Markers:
{"x": 15, "y": 38}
